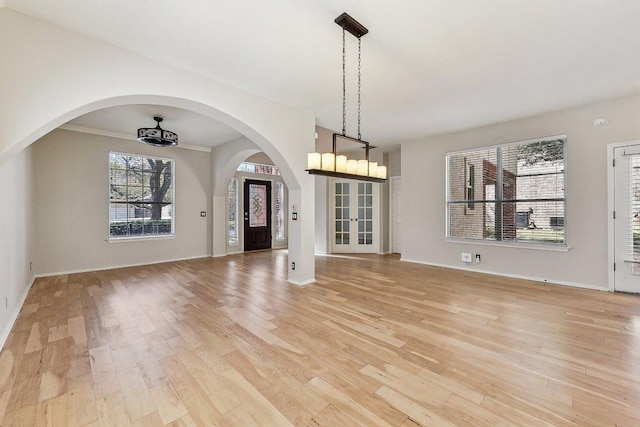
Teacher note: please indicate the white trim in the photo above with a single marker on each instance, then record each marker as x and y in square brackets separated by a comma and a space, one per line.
[236, 252]
[146, 238]
[543, 246]
[220, 255]
[513, 276]
[242, 177]
[16, 312]
[100, 132]
[519, 245]
[611, 206]
[306, 282]
[393, 183]
[89, 270]
[507, 144]
[632, 152]
[173, 198]
[354, 247]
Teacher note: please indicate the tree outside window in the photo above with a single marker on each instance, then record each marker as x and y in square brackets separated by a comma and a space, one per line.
[140, 196]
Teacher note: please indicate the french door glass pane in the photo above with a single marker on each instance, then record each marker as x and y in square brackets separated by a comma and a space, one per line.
[365, 213]
[342, 213]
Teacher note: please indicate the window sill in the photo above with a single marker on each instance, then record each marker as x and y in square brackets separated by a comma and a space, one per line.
[522, 245]
[140, 239]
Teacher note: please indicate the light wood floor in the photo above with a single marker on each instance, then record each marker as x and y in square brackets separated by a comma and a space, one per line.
[375, 342]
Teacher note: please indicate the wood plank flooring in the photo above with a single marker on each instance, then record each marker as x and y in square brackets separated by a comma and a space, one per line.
[375, 342]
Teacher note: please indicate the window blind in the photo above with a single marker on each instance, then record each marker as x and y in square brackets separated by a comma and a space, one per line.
[512, 192]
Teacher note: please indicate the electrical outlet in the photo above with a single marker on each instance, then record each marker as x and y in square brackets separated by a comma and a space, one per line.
[293, 265]
[477, 258]
[30, 265]
[466, 257]
[203, 213]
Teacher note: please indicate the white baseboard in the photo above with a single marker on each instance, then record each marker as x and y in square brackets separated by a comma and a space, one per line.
[306, 282]
[513, 276]
[89, 270]
[16, 313]
[229, 253]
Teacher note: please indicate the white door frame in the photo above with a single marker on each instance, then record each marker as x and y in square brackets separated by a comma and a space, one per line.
[393, 182]
[611, 207]
[376, 247]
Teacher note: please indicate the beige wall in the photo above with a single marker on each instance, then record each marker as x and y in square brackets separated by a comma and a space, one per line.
[394, 167]
[16, 236]
[586, 262]
[260, 158]
[71, 219]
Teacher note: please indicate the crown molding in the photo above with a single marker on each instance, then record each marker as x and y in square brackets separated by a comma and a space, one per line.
[100, 132]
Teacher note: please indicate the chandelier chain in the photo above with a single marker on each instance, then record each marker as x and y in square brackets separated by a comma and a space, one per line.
[359, 103]
[344, 84]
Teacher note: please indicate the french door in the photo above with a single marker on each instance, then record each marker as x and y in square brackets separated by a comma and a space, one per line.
[355, 217]
[627, 219]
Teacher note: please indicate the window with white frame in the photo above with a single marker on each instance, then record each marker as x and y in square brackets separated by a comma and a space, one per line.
[258, 168]
[508, 193]
[141, 196]
[232, 212]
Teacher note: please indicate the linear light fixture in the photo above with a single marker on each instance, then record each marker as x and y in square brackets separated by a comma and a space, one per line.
[331, 164]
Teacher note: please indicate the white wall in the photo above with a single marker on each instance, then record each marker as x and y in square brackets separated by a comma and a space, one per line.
[586, 262]
[16, 236]
[71, 212]
[50, 75]
[322, 211]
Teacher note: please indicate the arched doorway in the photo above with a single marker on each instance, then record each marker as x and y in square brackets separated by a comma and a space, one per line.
[88, 74]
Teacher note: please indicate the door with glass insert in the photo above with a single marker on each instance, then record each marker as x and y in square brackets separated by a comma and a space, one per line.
[354, 217]
[626, 273]
[257, 215]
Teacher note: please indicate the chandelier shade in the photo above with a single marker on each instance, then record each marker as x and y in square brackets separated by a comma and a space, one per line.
[157, 136]
[339, 166]
[328, 164]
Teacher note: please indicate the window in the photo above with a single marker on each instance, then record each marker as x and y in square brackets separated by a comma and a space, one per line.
[280, 211]
[258, 168]
[140, 196]
[509, 193]
[232, 212]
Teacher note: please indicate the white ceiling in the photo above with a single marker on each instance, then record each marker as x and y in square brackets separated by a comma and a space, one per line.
[429, 66]
[192, 128]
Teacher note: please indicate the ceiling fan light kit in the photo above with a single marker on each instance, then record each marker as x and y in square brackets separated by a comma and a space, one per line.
[157, 136]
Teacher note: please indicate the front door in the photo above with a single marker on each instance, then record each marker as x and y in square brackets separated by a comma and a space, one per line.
[355, 217]
[627, 219]
[257, 215]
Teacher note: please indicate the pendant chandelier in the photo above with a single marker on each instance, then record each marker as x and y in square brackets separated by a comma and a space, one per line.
[157, 136]
[330, 164]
